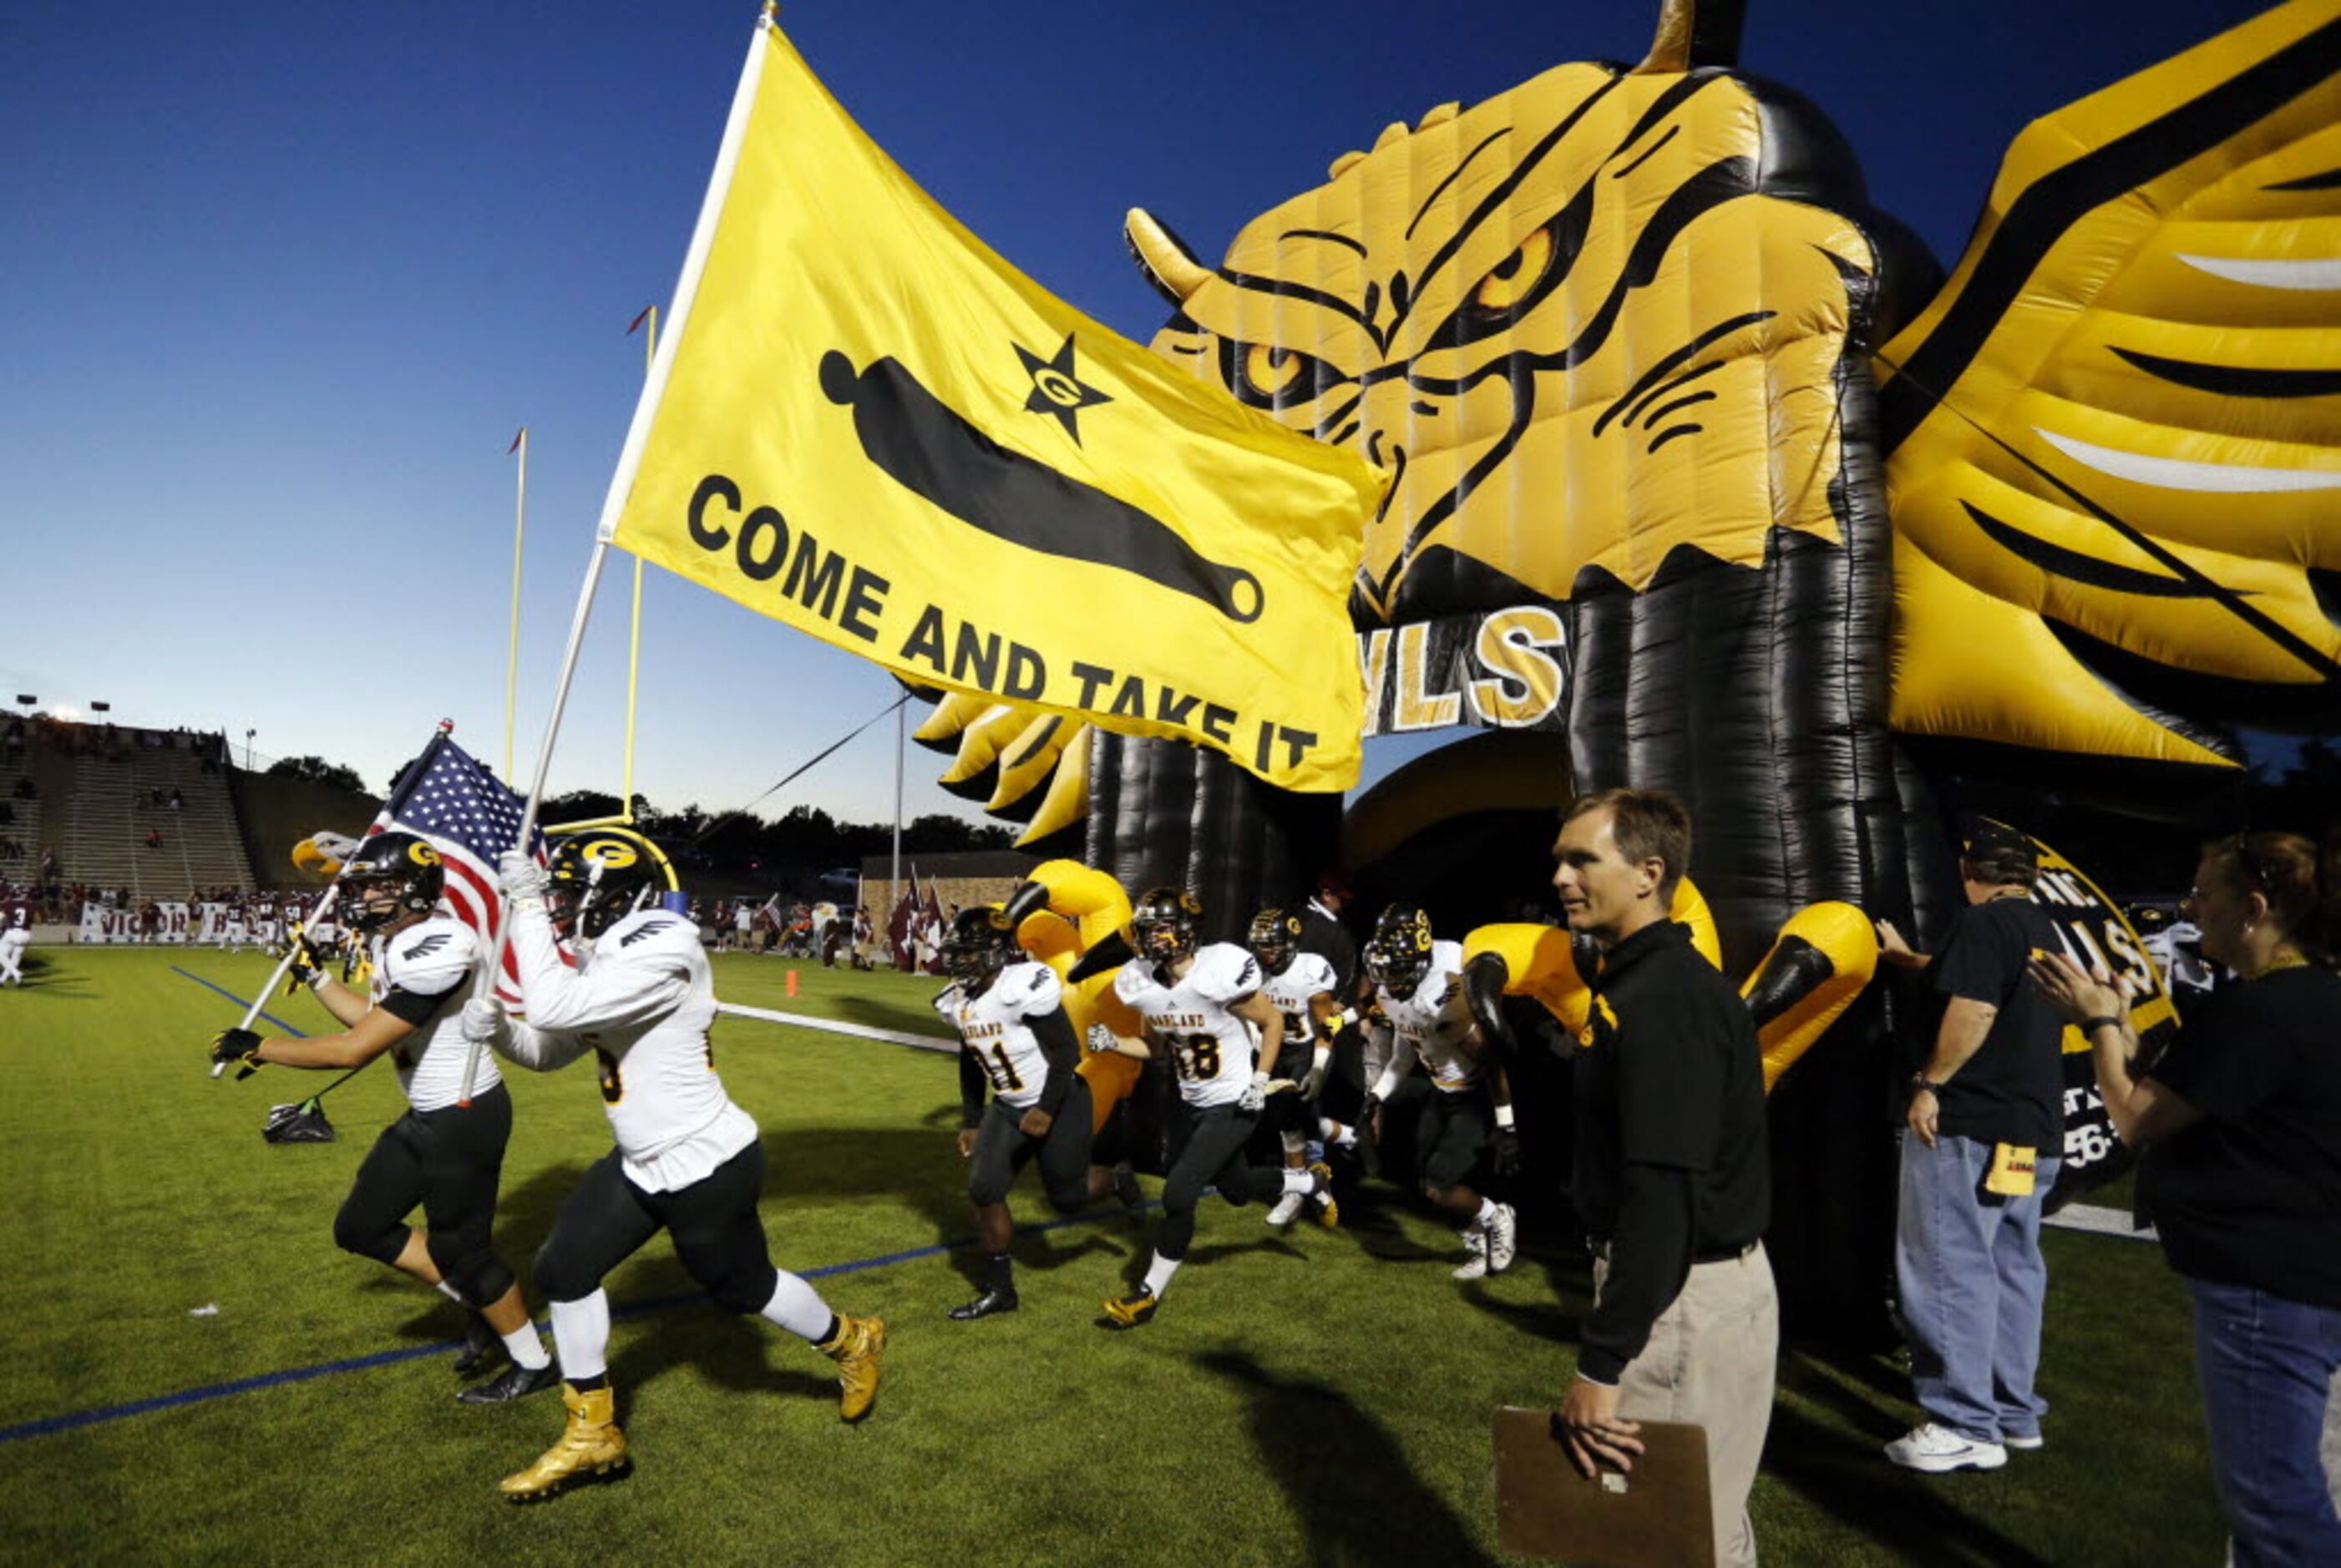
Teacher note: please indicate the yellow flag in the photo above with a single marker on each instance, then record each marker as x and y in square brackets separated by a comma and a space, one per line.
[865, 424]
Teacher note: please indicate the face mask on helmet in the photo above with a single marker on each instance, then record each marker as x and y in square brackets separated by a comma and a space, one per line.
[1164, 924]
[392, 875]
[1273, 937]
[1398, 956]
[978, 947]
[591, 883]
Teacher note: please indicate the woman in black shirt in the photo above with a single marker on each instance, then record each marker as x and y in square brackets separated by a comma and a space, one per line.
[2241, 1126]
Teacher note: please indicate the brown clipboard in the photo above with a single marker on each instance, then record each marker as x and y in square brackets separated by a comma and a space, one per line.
[1658, 1516]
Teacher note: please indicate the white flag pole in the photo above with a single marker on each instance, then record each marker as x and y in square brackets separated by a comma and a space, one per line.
[622, 481]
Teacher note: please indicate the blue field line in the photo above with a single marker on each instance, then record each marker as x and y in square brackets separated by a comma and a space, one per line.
[48, 1425]
[239, 1001]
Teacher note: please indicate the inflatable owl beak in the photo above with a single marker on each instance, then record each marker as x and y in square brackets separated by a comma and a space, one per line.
[1163, 257]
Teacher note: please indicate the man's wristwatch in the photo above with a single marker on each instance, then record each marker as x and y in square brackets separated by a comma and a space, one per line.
[1921, 1081]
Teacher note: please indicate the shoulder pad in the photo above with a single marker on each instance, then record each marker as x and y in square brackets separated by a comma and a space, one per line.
[1313, 972]
[433, 957]
[1030, 988]
[647, 931]
[1224, 972]
[1131, 982]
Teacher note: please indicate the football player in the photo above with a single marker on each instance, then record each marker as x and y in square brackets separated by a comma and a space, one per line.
[13, 940]
[1419, 990]
[443, 1154]
[1301, 986]
[688, 1161]
[1200, 1005]
[1016, 1041]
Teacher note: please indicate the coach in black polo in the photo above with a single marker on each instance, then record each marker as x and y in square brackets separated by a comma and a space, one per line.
[1672, 1178]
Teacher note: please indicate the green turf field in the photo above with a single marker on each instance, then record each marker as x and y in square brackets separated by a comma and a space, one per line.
[1309, 1398]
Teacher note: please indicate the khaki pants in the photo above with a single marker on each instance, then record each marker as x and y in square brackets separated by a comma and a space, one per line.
[1711, 1360]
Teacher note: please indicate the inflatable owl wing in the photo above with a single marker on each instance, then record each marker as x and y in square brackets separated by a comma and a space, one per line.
[2114, 437]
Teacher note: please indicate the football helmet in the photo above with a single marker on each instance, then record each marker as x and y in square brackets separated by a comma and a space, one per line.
[1164, 924]
[978, 945]
[389, 876]
[1398, 955]
[594, 880]
[1273, 938]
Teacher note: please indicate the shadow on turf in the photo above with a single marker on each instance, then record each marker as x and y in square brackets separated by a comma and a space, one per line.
[734, 1352]
[1347, 1478]
[873, 1013]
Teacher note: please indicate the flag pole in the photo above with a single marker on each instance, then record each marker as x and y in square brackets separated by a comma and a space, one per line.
[487, 985]
[634, 642]
[901, 723]
[511, 662]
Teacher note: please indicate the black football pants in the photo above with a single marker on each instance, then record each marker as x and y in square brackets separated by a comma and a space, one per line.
[449, 1161]
[718, 1235]
[1002, 1151]
[1210, 1151]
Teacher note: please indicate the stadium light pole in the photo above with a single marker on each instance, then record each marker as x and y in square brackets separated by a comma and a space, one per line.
[247, 749]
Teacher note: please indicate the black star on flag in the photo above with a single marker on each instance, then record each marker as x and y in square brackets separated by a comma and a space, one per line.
[1056, 390]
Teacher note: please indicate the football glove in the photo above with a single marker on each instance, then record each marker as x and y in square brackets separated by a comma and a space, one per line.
[307, 968]
[1506, 1155]
[1255, 1094]
[1100, 1039]
[522, 876]
[481, 1021]
[234, 1046]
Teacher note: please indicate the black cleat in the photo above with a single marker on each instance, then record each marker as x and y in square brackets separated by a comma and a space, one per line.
[984, 1305]
[517, 1382]
[482, 1346]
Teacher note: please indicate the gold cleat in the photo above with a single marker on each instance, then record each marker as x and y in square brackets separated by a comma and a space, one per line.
[1130, 1311]
[860, 1342]
[592, 1444]
[1327, 1212]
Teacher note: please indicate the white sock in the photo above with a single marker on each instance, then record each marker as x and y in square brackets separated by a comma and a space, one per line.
[450, 1291]
[1298, 1180]
[581, 1333]
[798, 1307]
[1158, 1273]
[1295, 1144]
[1489, 1208]
[527, 1350]
[1334, 1133]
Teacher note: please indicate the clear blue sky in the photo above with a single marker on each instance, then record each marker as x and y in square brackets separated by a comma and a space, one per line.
[283, 279]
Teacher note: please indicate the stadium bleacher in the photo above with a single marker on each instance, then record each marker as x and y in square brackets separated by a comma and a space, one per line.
[102, 790]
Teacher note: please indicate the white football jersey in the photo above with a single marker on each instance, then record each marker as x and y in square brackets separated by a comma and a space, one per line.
[1307, 975]
[997, 1032]
[1432, 1022]
[642, 999]
[432, 959]
[1211, 1046]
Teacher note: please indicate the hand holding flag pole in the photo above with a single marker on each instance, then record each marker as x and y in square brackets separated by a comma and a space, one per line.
[260, 1000]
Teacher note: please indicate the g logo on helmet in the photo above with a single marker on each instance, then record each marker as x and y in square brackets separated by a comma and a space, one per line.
[609, 853]
[421, 854]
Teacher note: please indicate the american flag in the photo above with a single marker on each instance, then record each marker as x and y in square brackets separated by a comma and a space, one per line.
[450, 799]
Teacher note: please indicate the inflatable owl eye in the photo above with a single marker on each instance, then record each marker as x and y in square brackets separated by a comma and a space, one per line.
[1518, 283]
[1270, 375]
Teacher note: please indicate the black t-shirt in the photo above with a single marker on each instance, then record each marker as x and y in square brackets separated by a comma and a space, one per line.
[1322, 933]
[1672, 1076]
[2251, 1194]
[2012, 1089]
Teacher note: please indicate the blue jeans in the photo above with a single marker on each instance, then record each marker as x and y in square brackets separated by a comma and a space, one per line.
[1972, 1283]
[2267, 1367]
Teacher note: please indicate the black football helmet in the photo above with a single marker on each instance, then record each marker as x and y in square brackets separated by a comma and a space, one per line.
[978, 945]
[594, 880]
[389, 876]
[1398, 955]
[1273, 938]
[1163, 922]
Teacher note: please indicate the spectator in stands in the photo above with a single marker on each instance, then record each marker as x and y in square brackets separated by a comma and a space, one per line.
[176, 802]
[153, 837]
[7, 815]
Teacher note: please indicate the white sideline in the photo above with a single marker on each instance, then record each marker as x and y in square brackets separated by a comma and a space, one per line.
[801, 1021]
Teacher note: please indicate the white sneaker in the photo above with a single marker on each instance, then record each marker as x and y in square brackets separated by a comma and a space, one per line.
[1503, 1238]
[1475, 1265]
[1287, 1209]
[1936, 1449]
[2024, 1444]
